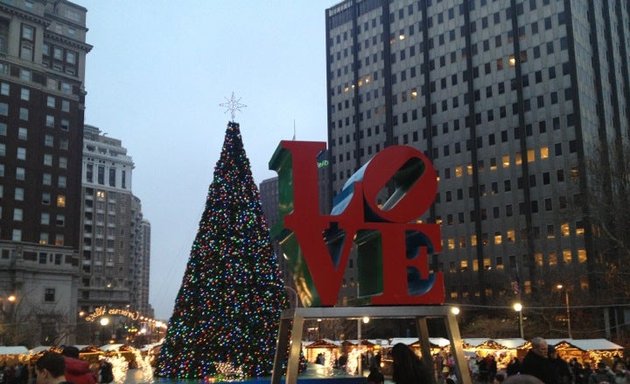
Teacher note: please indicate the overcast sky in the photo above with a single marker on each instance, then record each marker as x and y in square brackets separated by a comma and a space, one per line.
[155, 78]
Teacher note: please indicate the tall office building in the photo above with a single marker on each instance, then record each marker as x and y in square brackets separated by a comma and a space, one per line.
[512, 101]
[42, 69]
[115, 251]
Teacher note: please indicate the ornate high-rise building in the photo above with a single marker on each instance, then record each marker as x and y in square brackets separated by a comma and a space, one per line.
[115, 251]
[42, 69]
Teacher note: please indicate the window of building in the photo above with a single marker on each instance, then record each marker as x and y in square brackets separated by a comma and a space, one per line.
[59, 240]
[112, 175]
[581, 255]
[45, 218]
[567, 257]
[21, 153]
[16, 235]
[101, 174]
[60, 220]
[48, 140]
[61, 181]
[25, 94]
[50, 121]
[22, 133]
[43, 238]
[18, 214]
[4, 111]
[24, 114]
[63, 162]
[46, 198]
[544, 152]
[49, 295]
[48, 159]
[20, 173]
[25, 74]
[61, 201]
[19, 194]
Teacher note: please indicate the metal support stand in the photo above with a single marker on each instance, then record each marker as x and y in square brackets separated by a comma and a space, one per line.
[297, 316]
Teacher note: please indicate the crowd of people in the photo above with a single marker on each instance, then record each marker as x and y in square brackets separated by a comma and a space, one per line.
[541, 365]
[75, 370]
[543, 362]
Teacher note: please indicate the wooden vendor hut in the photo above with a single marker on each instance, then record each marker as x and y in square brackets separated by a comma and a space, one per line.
[589, 351]
[327, 347]
[11, 355]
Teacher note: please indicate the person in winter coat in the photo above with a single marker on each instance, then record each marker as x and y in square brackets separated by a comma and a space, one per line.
[50, 369]
[77, 371]
[602, 375]
[407, 367]
[536, 362]
[561, 369]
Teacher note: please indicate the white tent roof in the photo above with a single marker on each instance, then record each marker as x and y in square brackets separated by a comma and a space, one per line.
[594, 344]
[15, 350]
[438, 341]
[381, 342]
[475, 341]
[38, 349]
[511, 343]
[149, 347]
[82, 347]
[557, 341]
[111, 347]
[404, 340]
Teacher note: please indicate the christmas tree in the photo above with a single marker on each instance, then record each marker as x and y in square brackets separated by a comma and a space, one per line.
[226, 315]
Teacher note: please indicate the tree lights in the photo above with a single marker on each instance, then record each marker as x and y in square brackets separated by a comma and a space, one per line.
[228, 307]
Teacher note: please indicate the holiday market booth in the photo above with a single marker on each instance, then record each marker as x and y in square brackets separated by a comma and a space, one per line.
[330, 349]
[12, 355]
[588, 351]
[436, 345]
[370, 347]
[89, 353]
[503, 350]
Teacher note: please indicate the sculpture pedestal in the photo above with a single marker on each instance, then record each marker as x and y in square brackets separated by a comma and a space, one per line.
[294, 319]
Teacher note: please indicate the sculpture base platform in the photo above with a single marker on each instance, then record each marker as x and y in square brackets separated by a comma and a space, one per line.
[292, 321]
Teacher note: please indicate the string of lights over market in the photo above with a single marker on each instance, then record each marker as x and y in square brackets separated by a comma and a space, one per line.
[101, 312]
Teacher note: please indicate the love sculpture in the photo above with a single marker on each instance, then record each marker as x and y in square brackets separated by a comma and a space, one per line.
[393, 248]
[392, 245]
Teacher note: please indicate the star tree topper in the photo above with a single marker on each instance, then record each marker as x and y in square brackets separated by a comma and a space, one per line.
[233, 105]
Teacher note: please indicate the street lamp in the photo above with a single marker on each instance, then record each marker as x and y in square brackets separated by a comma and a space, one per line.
[8, 315]
[568, 307]
[104, 321]
[455, 310]
[365, 320]
[518, 307]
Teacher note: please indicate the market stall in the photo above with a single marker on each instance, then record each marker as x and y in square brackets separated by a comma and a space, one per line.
[11, 355]
[588, 351]
[328, 348]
